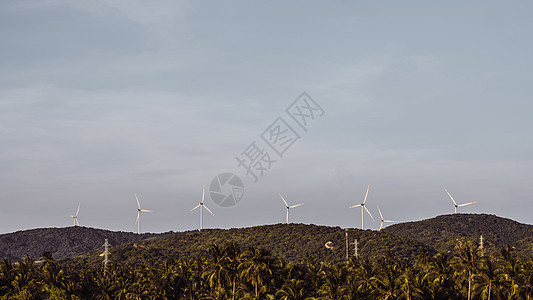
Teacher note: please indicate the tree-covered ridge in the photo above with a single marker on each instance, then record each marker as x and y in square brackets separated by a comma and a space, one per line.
[292, 242]
[233, 272]
[61, 242]
[442, 232]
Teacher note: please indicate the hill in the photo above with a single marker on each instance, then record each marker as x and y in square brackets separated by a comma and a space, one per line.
[292, 242]
[442, 232]
[61, 242]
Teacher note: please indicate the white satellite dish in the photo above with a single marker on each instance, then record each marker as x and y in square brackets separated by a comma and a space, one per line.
[329, 245]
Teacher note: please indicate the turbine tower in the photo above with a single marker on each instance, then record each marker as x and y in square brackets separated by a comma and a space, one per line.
[75, 217]
[288, 207]
[455, 203]
[363, 208]
[139, 210]
[382, 220]
[201, 206]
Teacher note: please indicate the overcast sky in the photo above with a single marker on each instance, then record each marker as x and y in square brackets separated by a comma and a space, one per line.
[103, 99]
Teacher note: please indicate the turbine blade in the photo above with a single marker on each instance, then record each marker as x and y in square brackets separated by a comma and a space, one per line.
[450, 196]
[296, 205]
[366, 195]
[369, 213]
[284, 200]
[380, 213]
[138, 203]
[146, 210]
[196, 207]
[203, 193]
[390, 221]
[138, 216]
[355, 205]
[467, 203]
[78, 209]
[209, 210]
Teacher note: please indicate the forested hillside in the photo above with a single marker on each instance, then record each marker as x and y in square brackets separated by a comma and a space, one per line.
[61, 242]
[442, 232]
[292, 242]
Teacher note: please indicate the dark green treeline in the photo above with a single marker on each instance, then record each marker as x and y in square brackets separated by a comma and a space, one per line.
[230, 272]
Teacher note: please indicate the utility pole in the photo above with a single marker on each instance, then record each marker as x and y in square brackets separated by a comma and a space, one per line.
[106, 253]
[346, 243]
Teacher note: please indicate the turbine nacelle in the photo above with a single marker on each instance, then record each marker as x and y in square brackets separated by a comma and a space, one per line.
[75, 217]
[383, 220]
[455, 205]
[139, 210]
[202, 206]
[288, 208]
[363, 208]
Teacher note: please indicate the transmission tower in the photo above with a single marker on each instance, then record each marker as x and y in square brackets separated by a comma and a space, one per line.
[481, 244]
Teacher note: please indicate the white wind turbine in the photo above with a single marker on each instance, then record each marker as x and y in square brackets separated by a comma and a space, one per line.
[75, 217]
[289, 207]
[382, 220]
[363, 208]
[201, 206]
[139, 210]
[455, 203]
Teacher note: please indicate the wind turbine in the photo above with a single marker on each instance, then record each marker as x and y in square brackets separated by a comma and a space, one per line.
[75, 217]
[201, 206]
[139, 210]
[289, 207]
[363, 208]
[455, 203]
[382, 220]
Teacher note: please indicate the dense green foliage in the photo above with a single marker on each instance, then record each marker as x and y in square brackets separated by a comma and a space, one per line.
[61, 242]
[232, 272]
[292, 242]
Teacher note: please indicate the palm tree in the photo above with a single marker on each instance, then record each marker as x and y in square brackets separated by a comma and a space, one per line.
[256, 267]
[441, 277]
[526, 278]
[25, 280]
[333, 278]
[510, 270]
[6, 276]
[364, 277]
[408, 282]
[221, 269]
[311, 273]
[386, 281]
[467, 260]
[293, 289]
[487, 276]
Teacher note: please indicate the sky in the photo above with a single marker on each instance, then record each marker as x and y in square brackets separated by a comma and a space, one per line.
[100, 100]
